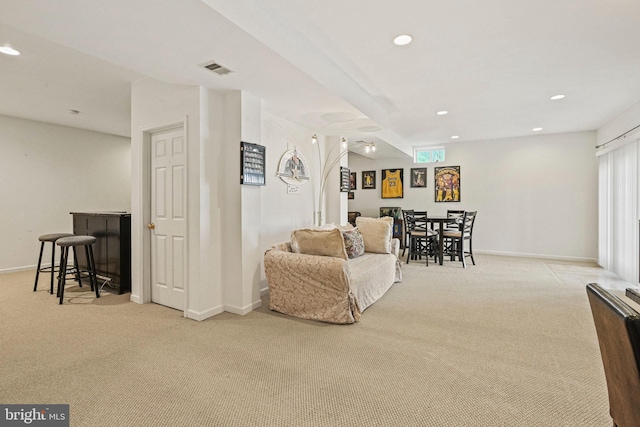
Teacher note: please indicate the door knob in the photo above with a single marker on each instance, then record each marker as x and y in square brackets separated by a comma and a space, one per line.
[151, 226]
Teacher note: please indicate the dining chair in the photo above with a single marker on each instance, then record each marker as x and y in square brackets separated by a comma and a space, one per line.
[456, 238]
[618, 330]
[422, 241]
[456, 216]
[406, 224]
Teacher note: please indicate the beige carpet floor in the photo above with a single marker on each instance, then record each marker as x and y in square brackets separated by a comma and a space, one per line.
[504, 343]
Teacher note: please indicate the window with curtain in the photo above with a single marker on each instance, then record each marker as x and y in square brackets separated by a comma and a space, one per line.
[618, 211]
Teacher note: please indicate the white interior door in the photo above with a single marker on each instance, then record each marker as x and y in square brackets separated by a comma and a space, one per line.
[168, 225]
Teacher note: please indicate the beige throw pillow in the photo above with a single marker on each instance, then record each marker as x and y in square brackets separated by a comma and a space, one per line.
[377, 233]
[320, 242]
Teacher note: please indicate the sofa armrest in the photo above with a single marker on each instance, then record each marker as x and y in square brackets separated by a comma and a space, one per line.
[395, 247]
[291, 269]
[310, 286]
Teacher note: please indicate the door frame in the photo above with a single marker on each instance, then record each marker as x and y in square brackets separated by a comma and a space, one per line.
[146, 133]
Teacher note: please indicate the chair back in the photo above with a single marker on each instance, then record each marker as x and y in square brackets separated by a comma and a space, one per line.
[407, 216]
[618, 329]
[466, 226]
[419, 220]
[455, 213]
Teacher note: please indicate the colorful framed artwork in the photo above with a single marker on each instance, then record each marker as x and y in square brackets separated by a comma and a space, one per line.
[393, 212]
[392, 180]
[447, 183]
[368, 180]
[353, 182]
[419, 177]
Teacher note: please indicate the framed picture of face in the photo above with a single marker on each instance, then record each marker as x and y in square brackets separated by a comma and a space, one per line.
[392, 183]
[353, 181]
[419, 177]
[350, 195]
[447, 184]
[368, 180]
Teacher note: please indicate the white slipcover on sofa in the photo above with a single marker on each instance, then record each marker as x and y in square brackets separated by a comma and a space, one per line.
[332, 288]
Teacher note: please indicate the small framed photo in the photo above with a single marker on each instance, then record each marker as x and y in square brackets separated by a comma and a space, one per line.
[353, 181]
[369, 180]
[419, 177]
[350, 195]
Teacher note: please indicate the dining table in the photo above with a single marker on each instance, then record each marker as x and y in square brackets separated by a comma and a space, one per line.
[441, 221]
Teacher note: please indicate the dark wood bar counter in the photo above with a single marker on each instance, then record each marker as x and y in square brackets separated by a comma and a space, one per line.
[112, 250]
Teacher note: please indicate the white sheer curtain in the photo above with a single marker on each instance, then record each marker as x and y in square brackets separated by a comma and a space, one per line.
[618, 211]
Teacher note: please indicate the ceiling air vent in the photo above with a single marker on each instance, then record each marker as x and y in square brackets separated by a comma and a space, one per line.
[218, 69]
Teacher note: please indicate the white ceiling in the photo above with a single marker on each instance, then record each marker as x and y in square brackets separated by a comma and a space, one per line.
[331, 66]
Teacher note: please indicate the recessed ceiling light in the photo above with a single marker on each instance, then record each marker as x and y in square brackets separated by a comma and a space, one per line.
[554, 97]
[442, 113]
[536, 129]
[9, 51]
[403, 39]
[455, 137]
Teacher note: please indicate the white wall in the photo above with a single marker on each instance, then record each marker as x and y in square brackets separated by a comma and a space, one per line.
[230, 225]
[281, 212]
[47, 171]
[535, 196]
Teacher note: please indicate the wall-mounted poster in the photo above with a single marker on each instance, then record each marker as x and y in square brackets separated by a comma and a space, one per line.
[293, 168]
[419, 177]
[345, 179]
[392, 183]
[350, 195]
[368, 180]
[394, 212]
[447, 183]
[353, 183]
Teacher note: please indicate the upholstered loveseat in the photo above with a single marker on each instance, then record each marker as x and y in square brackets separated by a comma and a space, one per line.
[313, 276]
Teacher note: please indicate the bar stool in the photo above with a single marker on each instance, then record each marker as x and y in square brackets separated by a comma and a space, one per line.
[44, 239]
[73, 241]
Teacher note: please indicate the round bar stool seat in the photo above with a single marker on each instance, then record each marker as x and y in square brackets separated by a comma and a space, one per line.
[53, 237]
[72, 241]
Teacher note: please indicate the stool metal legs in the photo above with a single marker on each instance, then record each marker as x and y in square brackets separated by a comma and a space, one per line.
[52, 268]
[91, 266]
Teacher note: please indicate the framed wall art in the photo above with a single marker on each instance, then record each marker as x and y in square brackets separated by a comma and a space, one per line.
[252, 164]
[392, 180]
[447, 183]
[393, 212]
[345, 179]
[350, 195]
[419, 177]
[353, 182]
[368, 180]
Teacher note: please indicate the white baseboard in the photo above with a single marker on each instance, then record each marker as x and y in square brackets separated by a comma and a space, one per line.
[202, 315]
[24, 268]
[243, 310]
[540, 256]
[136, 298]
